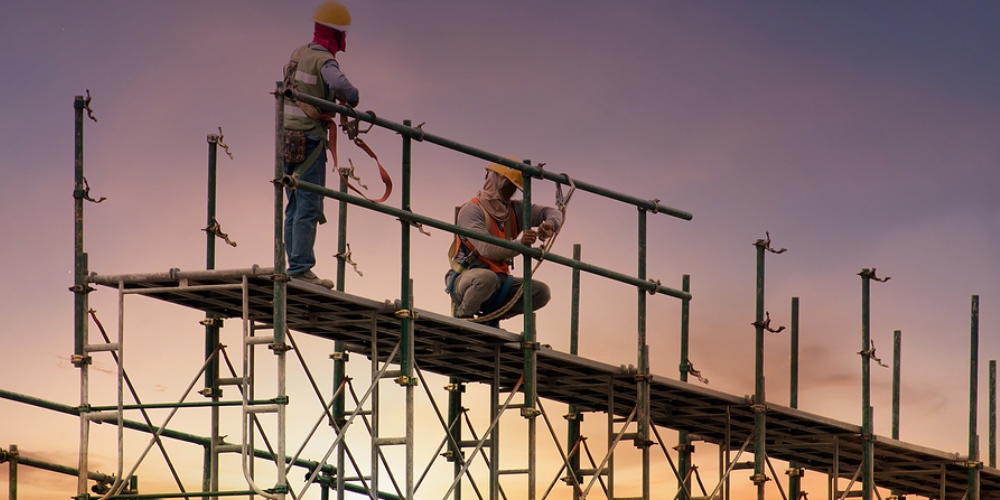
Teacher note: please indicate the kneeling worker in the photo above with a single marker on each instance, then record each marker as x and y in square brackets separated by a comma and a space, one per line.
[480, 281]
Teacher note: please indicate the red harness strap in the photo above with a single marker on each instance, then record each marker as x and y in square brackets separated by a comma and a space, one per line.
[386, 180]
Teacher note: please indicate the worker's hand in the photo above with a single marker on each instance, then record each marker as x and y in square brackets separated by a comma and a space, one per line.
[546, 230]
[529, 237]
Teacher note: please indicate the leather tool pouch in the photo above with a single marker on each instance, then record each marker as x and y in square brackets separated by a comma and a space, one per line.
[295, 146]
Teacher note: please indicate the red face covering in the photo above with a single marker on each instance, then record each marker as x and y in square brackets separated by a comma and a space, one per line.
[333, 40]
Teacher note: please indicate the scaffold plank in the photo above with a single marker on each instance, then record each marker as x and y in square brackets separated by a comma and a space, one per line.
[469, 352]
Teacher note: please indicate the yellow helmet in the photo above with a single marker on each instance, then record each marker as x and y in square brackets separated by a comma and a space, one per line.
[513, 175]
[333, 15]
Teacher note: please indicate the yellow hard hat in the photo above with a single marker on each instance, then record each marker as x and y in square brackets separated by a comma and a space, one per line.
[333, 15]
[513, 175]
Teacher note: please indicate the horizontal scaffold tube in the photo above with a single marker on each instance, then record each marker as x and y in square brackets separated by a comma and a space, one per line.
[62, 469]
[532, 170]
[139, 426]
[534, 253]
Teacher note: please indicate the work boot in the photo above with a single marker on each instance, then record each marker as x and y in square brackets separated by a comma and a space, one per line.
[310, 277]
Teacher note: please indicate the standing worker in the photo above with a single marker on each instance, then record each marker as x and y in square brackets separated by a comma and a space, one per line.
[480, 281]
[312, 70]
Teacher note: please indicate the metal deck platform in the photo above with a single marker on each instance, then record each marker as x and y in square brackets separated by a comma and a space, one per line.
[469, 351]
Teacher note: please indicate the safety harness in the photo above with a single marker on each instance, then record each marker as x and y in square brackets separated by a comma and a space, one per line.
[494, 308]
[463, 255]
[350, 128]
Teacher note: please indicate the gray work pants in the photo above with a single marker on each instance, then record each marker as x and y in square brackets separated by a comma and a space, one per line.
[476, 286]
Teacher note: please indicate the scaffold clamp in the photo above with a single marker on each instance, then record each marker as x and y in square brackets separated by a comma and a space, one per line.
[796, 472]
[81, 289]
[870, 273]
[279, 347]
[79, 360]
[766, 244]
[759, 479]
[216, 322]
[406, 381]
[210, 392]
[532, 346]
[759, 408]
[766, 324]
[407, 314]
[530, 412]
[458, 387]
[340, 356]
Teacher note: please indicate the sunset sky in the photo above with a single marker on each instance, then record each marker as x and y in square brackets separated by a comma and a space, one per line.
[858, 134]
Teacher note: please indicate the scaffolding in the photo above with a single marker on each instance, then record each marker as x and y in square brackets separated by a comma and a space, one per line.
[368, 447]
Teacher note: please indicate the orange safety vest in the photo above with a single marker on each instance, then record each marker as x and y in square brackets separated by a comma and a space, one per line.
[463, 253]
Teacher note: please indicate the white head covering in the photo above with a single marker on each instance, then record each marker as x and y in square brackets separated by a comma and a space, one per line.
[490, 199]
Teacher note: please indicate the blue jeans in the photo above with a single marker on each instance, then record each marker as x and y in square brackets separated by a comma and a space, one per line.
[303, 212]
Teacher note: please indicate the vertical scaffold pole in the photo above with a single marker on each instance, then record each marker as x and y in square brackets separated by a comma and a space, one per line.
[897, 348]
[759, 478]
[339, 347]
[897, 362]
[455, 390]
[530, 345]
[80, 358]
[211, 479]
[406, 323]
[974, 466]
[12, 457]
[642, 439]
[993, 414]
[867, 451]
[574, 415]
[794, 472]
[280, 285]
[683, 448]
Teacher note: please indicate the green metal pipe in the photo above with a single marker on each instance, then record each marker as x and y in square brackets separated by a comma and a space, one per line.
[760, 452]
[248, 493]
[867, 452]
[455, 389]
[530, 348]
[210, 480]
[279, 208]
[683, 447]
[529, 329]
[406, 323]
[202, 404]
[574, 415]
[794, 481]
[406, 335]
[203, 494]
[16, 459]
[973, 491]
[13, 458]
[642, 352]
[419, 134]
[80, 258]
[993, 413]
[648, 286]
[793, 390]
[339, 346]
[897, 350]
[139, 426]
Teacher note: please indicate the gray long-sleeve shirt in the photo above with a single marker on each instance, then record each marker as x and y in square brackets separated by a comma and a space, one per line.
[335, 79]
[471, 216]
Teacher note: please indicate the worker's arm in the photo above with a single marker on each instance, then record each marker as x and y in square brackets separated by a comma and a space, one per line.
[548, 220]
[338, 83]
[470, 216]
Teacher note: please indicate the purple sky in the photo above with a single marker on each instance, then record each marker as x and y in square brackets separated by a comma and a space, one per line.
[860, 134]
